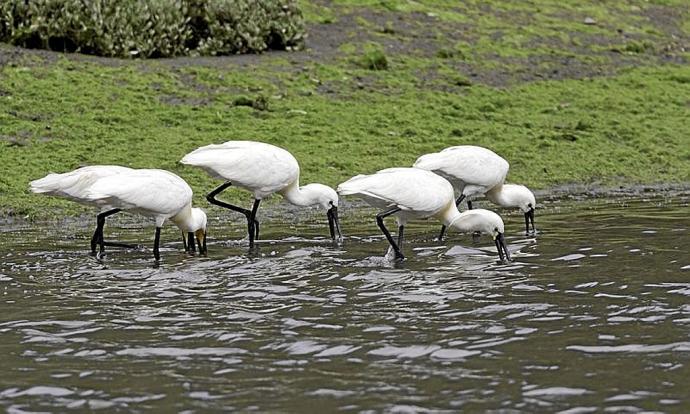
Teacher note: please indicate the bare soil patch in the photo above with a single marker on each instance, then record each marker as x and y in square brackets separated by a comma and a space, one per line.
[420, 35]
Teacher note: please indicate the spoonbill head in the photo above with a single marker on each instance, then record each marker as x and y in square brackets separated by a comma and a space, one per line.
[410, 193]
[262, 169]
[195, 227]
[515, 195]
[484, 221]
[324, 197]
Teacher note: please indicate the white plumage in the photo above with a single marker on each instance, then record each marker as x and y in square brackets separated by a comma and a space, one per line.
[262, 169]
[154, 193]
[415, 193]
[398, 187]
[474, 171]
[73, 185]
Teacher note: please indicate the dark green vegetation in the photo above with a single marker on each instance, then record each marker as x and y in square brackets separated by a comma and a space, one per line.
[597, 93]
[152, 28]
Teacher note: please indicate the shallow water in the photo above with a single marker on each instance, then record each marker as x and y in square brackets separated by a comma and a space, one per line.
[593, 315]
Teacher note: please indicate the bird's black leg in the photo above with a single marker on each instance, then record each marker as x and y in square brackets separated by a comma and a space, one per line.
[211, 197]
[379, 220]
[97, 237]
[401, 231]
[469, 204]
[443, 232]
[251, 222]
[97, 233]
[443, 227]
[202, 247]
[156, 244]
[117, 244]
[190, 242]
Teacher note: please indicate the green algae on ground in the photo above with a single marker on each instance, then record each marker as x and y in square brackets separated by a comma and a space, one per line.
[341, 118]
[62, 115]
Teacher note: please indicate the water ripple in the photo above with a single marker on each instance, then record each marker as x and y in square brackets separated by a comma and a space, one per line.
[300, 324]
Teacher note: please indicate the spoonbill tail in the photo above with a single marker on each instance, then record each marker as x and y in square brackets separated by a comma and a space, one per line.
[263, 169]
[415, 193]
[475, 171]
[154, 193]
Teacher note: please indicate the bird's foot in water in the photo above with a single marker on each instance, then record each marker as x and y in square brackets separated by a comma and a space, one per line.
[116, 244]
[393, 256]
[476, 236]
[101, 254]
[123, 245]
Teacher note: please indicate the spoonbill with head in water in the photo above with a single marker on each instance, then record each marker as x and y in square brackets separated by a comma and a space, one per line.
[415, 193]
[154, 193]
[475, 171]
[263, 169]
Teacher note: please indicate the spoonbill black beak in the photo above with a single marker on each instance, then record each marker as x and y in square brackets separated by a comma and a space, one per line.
[200, 241]
[529, 217]
[501, 247]
[334, 224]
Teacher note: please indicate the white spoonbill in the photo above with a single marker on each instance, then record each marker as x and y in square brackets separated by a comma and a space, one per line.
[415, 193]
[475, 171]
[263, 169]
[158, 194]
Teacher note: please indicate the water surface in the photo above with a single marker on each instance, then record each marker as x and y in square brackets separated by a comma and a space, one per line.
[593, 315]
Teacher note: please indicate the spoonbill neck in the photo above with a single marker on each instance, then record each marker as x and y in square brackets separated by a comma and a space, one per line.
[512, 195]
[183, 219]
[299, 196]
[448, 214]
[498, 195]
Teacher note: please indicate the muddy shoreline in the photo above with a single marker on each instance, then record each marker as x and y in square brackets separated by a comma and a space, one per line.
[278, 210]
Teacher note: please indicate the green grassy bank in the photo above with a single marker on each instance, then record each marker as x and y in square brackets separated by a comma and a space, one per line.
[340, 118]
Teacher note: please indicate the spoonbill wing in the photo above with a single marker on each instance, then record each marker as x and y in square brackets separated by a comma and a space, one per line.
[74, 184]
[153, 191]
[408, 188]
[259, 167]
[470, 164]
